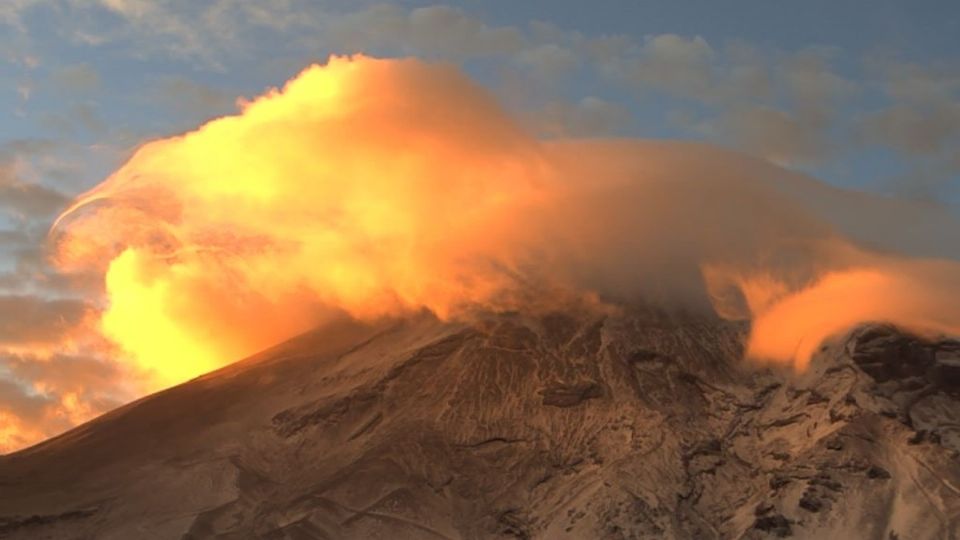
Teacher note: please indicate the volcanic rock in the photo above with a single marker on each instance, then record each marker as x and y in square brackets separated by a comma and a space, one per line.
[566, 425]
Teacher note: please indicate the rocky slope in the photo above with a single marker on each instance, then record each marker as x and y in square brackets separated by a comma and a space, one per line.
[567, 425]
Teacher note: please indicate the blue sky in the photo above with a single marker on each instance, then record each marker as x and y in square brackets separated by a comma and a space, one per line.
[861, 94]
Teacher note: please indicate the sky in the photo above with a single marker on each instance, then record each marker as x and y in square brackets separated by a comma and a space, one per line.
[862, 95]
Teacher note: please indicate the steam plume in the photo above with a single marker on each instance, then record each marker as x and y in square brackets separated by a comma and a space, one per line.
[375, 187]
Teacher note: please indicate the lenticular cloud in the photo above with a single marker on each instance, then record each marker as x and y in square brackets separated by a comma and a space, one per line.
[376, 187]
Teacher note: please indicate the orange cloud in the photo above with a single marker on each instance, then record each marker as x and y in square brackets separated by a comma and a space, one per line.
[376, 187]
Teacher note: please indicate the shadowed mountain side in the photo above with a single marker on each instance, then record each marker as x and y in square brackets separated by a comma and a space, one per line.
[567, 425]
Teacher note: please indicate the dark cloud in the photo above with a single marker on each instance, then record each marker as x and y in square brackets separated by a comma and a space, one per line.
[928, 129]
[76, 118]
[41, 397]
[920, 124]
[27, 207]
[27, 148]
[93, 379]
[27, 319]
[16, 400]
[30, 201]
[13, 238]
[431, 31]
[923, 114]
[780, 106]
[780, 135]
[194, 100]
[21, 199]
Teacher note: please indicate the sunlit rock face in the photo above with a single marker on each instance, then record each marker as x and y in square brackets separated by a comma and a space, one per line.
[561, 425]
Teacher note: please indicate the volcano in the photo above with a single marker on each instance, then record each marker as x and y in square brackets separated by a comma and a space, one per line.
[572, 424]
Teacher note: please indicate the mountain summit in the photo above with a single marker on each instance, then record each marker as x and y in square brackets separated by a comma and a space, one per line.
[560, 425]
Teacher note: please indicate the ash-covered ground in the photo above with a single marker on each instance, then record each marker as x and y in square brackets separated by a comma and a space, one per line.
[565, 425]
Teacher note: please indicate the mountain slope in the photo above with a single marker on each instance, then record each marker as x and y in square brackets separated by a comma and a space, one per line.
[567, 425]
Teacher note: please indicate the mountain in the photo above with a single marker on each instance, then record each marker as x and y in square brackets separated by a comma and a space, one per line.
[637, 424]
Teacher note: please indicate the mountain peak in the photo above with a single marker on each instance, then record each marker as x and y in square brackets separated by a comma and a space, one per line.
[570, 424]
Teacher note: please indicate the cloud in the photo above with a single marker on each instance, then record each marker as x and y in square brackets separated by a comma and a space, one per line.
[27, 207]
[42, 397]
[389, 186]
[28, 200]
[432, 32]
[928, 129]
[549, 61]
[920, 123]
[918, 83]
[25, 200]
[17, 401]
[810, 81]
[923, 117]
[588, 117]
[683, 66]
[13, 237]
[78, 117]
[175, 28]
[11, 12]
[792, 107]
[669, 63]
[26, 320]
[781, 136]
[21, 416]
[42, 390]
[210, 33]
[192, 99]
[91, 378]
[781, 106]
[13, 148]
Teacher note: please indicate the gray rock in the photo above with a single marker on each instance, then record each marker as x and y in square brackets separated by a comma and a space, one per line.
[567, 425]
